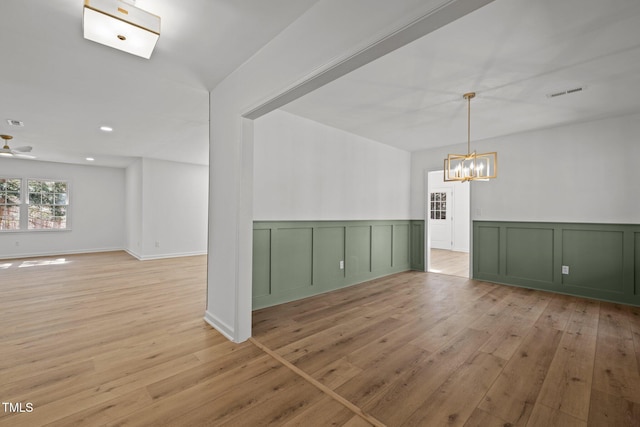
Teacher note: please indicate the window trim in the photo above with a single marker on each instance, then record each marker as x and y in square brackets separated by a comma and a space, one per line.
[24, 206]
[19, 204]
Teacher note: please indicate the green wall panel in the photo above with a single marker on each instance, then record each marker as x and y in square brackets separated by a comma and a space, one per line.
[293, 250]
[603, 259]
[329, 250]
[358, 248]
[297, 259]
[594, 259]
[401, 246]
[488, 251]
[261, 263]
[417, 245]
[381, 247]
[528, 254]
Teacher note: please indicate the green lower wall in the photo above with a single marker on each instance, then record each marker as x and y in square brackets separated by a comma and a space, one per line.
[603, 259]
[297, 259]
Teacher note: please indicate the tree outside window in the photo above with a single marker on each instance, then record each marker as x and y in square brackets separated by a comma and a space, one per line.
[48, 202]
[10, 203]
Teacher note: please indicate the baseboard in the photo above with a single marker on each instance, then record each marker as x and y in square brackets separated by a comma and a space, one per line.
[466, 251]
[133, 254]
[163, 256]
[97, 250]
[60, 253]
[219, 325]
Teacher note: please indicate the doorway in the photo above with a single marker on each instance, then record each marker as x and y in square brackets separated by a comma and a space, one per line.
[448, 219]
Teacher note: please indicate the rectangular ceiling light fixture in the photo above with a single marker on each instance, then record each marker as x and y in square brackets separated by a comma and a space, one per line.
[122, 26]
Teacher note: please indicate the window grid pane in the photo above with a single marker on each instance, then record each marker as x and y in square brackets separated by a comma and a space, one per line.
[10, 203]
[438, 205]
[9, 217]
[47, 205]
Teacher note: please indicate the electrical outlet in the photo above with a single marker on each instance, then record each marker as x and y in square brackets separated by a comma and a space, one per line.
[157, 244]
[341, 265]
[565, 269]
[17, 243]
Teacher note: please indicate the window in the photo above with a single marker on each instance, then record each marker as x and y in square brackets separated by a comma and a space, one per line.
[33, 204]
[48, 202]
[10, 203]
[438, 205]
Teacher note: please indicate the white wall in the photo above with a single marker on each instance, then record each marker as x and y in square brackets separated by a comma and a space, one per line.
[167, 209]
[134, 208]
[96, 213]
[584, 172]
[114, 209]
[304, 170]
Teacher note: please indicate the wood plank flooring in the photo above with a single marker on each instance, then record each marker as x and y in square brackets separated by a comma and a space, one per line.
[106, 340]
[452, 263]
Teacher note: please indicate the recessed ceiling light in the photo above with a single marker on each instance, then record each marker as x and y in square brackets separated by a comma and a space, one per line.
[90, 159]
[106, 128]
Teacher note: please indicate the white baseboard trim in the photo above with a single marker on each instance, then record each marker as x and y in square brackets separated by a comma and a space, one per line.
[59, 253]
[162, 256]
[219, 325]
[133, 254]
[460, 249]
[97, 250]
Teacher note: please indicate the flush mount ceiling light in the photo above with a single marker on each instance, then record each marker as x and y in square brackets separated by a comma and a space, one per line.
[121, 25]
[106, 128]
[470, 166]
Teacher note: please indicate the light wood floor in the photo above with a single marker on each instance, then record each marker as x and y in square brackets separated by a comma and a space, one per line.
[452, 263]
[104, 339]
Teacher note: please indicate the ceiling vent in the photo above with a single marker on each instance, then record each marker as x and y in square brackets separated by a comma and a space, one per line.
[566, 92]
[15, 122]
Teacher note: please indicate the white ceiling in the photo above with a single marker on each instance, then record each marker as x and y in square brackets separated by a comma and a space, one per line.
[511, 52]
[64, 87]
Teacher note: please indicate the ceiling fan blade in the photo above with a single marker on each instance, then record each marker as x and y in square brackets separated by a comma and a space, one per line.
[25, 149]
[23, 156]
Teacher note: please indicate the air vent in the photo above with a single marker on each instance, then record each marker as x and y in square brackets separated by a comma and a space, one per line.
[15, 122]
[566, 92]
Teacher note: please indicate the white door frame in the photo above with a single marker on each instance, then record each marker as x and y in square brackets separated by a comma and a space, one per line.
[427, 231]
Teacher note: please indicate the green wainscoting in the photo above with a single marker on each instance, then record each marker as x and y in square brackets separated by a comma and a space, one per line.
[603, 259]
[297, 259]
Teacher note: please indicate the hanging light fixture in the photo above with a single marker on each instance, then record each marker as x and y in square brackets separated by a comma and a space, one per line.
[6, 151]
[470, 166]
[121, 25]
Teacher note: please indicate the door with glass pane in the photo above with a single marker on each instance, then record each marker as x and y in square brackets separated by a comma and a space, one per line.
[440, 221]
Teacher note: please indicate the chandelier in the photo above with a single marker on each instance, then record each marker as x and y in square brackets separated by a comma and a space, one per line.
[470, 166]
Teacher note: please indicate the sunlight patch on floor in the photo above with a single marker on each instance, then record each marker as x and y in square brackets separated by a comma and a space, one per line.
[38, 263]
